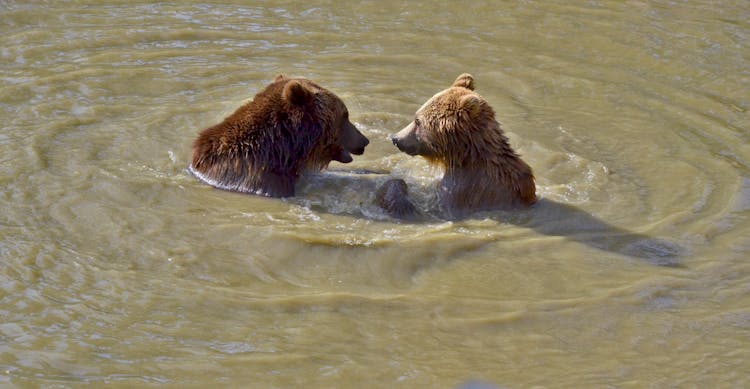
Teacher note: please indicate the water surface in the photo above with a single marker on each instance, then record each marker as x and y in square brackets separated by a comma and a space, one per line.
[119, 267]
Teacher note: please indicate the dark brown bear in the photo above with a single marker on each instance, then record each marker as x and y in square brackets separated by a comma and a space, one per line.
[291, 126]
[456, 130]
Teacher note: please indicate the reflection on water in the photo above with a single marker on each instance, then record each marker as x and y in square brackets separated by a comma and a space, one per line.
[121, 268]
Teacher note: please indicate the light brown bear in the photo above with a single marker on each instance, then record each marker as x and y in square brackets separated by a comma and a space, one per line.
[456, 130]
[292, 126]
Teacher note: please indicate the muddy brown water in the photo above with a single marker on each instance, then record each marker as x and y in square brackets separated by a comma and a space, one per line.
[118, 267]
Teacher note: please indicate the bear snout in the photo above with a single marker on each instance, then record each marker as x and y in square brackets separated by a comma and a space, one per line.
[406, 147]
[406, 140]
[360, 149]
[400, 144]
[353, 141]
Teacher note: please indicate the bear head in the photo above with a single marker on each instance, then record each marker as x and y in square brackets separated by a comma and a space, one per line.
[321, 120]
[291, 126]
[451, 128]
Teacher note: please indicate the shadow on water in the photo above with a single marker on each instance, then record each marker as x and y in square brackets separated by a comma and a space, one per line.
[547, 217]
[552, 218]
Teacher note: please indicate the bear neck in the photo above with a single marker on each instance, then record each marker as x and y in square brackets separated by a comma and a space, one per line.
[491, 166]
[488, 153]
[490, 175]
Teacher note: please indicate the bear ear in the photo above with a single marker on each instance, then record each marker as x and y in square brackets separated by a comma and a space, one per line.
[279, 77]
[465, 81]
[296, 93]
[471, 104]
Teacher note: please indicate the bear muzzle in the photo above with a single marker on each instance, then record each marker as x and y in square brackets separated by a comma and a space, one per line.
[406, 140]
[352, 142]
[343, 156]
[359, 150]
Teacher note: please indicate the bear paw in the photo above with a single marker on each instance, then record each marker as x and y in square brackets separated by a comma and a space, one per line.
[393, 198]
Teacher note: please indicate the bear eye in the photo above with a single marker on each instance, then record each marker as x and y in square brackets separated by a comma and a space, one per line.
[417, 122]
[346, 115]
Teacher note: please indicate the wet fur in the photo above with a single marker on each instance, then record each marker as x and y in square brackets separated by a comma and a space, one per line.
[291, 126]
[393, 197]
[457, 131]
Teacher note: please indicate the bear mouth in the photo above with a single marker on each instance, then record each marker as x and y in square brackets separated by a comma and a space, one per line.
[343, 156]
[358, 151]
[407, 150]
